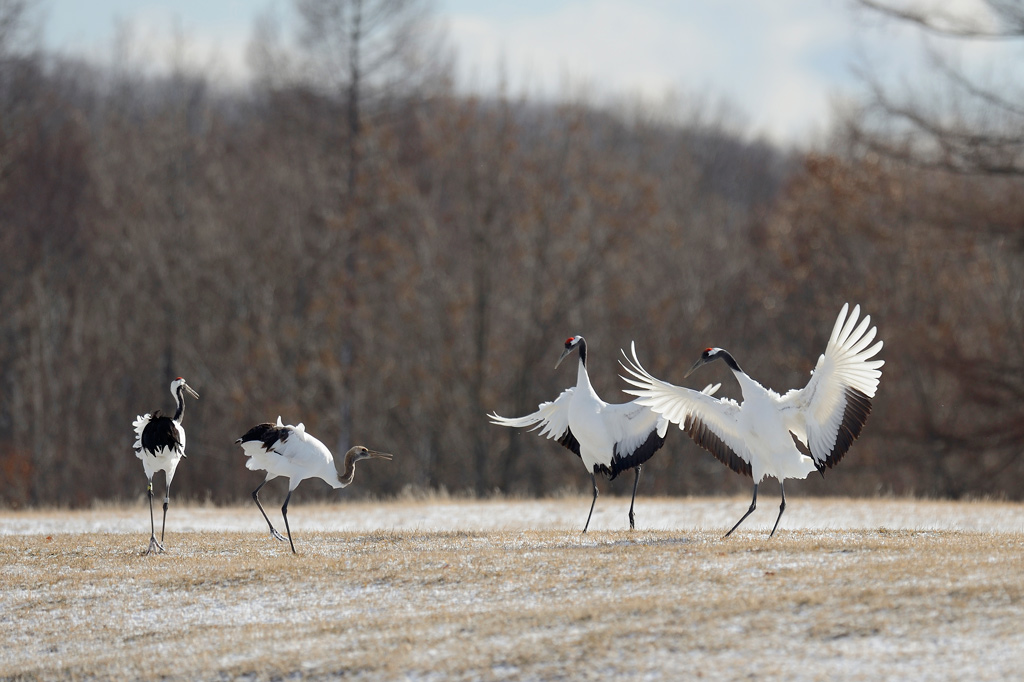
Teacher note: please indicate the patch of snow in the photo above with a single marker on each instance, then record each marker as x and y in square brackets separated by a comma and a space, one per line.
[689, 515]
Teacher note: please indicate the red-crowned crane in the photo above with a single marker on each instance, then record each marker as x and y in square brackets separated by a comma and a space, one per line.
[756, 437]
[289, 451]
[160, 444]
[608, 438]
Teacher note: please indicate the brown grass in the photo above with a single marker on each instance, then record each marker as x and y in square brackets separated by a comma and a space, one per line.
[515, 604]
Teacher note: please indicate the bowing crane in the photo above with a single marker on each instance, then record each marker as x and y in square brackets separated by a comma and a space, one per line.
[608, 438]
[757, 437]
[289, 451]
[160, 444]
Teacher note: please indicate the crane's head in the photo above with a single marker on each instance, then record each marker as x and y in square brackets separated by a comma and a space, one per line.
[346, 466]
[359, 453]
[571, 344]
[178, 384]
[710, 355]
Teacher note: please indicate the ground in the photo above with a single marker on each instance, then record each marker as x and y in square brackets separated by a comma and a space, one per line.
[467, 590]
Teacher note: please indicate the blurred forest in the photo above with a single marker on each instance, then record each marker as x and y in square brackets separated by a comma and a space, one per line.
[350, 242]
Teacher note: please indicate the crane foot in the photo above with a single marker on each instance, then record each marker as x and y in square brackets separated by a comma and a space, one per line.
[154, 544]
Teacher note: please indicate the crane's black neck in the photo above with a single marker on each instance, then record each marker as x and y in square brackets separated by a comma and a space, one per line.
[728, 359]
[180, 412]
[582, 346]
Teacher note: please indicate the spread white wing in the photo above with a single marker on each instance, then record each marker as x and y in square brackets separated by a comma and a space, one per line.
[828, 414]
[713, 423]
[551, 418]
[638, 432]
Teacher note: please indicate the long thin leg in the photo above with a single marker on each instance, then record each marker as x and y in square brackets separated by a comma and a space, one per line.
[284, 513]
[635, 481]
[256, 498]
[782, 507]
[167, 499]
[593, 482]
[153, 544]
[753, 506]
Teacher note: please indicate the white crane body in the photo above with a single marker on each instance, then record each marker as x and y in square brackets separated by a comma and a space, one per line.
[770, 447]
[164, 458]
[295, 454]
[606, 431]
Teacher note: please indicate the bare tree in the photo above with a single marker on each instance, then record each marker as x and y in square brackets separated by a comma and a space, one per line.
[959, 148]
[963, 124]
[17, 29]
[354, 47]
[357, 53]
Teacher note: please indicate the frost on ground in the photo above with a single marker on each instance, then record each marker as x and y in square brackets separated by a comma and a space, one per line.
[610, 513]
[511, 590]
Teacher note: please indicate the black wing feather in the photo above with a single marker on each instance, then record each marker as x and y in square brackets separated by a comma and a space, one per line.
[706, 438]
[160, 433]
[858, 407]
[631, 460]
[268, 434]
[569, 441]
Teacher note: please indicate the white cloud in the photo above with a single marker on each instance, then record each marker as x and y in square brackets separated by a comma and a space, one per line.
[759, 55]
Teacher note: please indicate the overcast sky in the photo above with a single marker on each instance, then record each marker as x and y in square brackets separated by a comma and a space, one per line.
[780, 63]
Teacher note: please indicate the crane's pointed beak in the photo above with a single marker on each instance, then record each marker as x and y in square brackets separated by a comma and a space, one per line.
[700, 361]
[373, 454]
[564, 355]
[190, 391]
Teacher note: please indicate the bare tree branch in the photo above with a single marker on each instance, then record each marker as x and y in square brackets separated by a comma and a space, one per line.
[950, 25]
[972, 129]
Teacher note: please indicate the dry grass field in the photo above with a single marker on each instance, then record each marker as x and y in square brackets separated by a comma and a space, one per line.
[448, 590]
